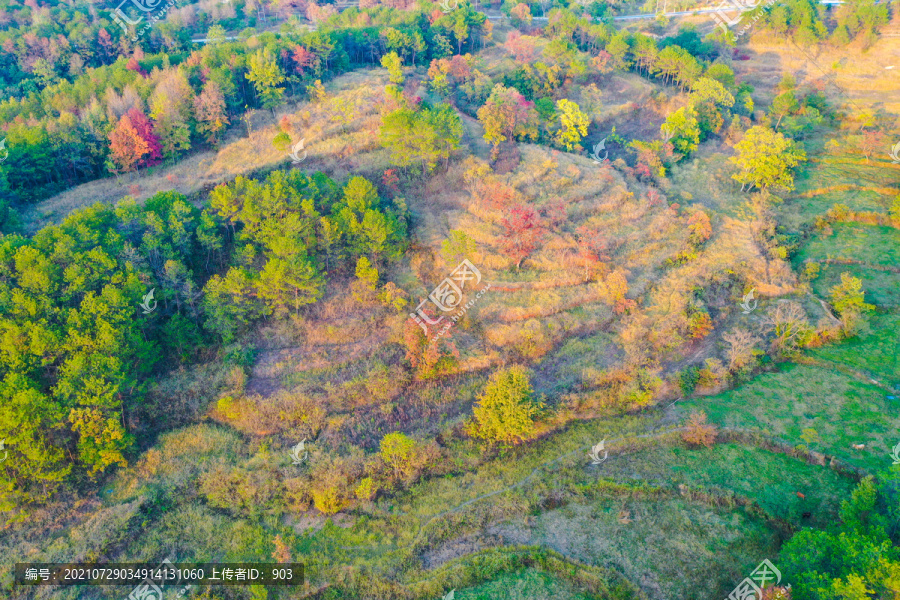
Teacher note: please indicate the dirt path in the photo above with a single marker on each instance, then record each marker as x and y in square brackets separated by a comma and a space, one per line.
[474, 137]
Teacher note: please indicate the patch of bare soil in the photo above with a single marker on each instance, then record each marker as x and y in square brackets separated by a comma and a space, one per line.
[456, 548]
[313, 520]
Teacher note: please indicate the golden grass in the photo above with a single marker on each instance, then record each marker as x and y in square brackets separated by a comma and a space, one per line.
[846, 187]
[851, 76]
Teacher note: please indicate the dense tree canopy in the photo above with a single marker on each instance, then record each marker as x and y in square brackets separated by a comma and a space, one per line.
[75, 344]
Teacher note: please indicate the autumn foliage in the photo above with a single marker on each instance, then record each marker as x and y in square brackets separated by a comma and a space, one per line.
[698, 432]
[144, 128]
[126, 145]
[523, 231]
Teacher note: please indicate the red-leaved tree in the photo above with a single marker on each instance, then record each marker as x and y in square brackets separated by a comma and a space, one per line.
[592, 246]
[144, 128]
[391, 180]
[523, 230]
[126, 146]
[303, 60]
[521, 47]
[134, 65]
[460, 67]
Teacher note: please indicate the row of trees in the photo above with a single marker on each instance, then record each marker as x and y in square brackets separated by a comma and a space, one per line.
[63, 133]
[52, 42]
[805, 22]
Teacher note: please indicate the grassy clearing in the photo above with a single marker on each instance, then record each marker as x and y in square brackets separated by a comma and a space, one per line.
[880, 286]
[770, 479]
[853, 241]
[876, 353]
[862, 244]
[523, 585]
[673, 549]
[838, 179]
[841, 409]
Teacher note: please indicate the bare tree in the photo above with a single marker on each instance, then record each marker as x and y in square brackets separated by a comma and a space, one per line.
[791, 326]
[742, 348]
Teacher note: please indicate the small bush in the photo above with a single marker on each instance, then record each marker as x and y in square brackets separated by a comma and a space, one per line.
[699, 432]
[367, 489]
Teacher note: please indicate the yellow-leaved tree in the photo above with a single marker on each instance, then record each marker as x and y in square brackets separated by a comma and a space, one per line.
[506, 411]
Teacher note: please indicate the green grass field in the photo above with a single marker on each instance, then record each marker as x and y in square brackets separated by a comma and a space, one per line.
[523, 585]
[842, 411]
[868, 247]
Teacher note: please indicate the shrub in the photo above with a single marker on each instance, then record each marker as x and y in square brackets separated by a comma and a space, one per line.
[332, 487]
[282, 551]
[282, 142]
[848, 299]
[367, 489]
[700, 228]
[700, 325]
[742, 352]
[397, 452]
[687, 380]
[840, 212]
[811, 271]
[329, 499]
[391, 295]
[296, 494]
[699, 432]
[432, 356]
[363, 288]
[240, 491]
[848, 295]
[895, 209]
[712, 373]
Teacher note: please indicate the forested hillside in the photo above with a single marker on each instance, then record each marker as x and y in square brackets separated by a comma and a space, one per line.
[522, 300]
